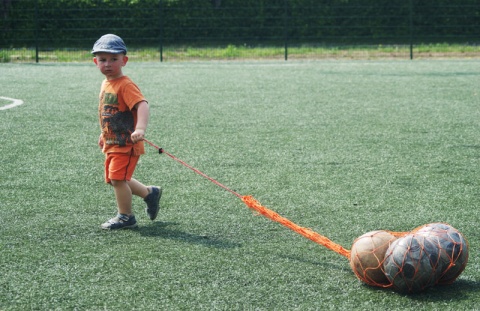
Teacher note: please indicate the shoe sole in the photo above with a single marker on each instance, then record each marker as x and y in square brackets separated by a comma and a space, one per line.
[125, 227]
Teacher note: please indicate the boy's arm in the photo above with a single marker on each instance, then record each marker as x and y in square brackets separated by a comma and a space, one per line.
[143, 113]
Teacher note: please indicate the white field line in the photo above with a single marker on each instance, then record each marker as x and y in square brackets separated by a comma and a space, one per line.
[15, 102]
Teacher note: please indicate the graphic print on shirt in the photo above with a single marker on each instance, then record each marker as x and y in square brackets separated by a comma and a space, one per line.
[116, 125]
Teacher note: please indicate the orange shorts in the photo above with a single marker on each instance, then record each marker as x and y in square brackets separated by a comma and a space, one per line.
[120, 166]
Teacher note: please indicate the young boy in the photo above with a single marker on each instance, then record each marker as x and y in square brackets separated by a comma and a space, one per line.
[123, 113]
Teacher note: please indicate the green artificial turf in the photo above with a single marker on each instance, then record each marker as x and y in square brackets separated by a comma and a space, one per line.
[341, 147]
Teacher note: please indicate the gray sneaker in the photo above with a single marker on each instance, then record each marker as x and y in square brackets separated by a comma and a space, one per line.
[120, 222]
[153, 202]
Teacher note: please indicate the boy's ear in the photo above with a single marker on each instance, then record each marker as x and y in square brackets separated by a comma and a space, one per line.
[125, 60]
[95, 60]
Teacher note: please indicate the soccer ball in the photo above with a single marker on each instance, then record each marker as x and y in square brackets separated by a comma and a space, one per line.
[453, 250]
[367, 254]
[408, 265]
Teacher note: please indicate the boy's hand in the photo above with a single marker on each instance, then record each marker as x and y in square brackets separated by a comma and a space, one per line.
[100, 141]
[138, 135]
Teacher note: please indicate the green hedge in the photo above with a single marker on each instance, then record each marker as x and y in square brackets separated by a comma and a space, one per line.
[74, 23]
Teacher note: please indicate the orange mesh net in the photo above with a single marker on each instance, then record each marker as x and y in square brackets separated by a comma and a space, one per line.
[431, 254]
[405, 261]
[309, 234]
[367, 256]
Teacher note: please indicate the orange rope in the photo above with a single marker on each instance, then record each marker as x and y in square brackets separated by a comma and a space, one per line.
[254, 204]
[398, 234]
[309, 234]
[363, 273]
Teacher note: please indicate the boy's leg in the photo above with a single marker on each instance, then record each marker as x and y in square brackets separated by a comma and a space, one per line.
[124, 191]
[123, 194]
[125, 217]
[138, 188]
[119, 168]
[151, 195]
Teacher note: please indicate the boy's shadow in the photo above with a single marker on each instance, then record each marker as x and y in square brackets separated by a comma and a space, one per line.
[164, 230]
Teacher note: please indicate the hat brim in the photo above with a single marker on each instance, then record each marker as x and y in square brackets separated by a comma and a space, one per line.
[109, 51]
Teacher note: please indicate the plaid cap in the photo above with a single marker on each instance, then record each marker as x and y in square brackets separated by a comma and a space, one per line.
[109, 44]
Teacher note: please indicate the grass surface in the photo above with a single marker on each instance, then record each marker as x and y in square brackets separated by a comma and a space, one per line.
[341, 147]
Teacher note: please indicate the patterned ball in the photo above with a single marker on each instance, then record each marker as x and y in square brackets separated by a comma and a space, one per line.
[408, 264]
[453, 250]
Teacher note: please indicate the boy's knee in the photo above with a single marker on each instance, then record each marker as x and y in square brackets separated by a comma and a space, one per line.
[116, 183]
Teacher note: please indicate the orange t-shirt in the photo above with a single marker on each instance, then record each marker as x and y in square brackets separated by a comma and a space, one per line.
[118, 117]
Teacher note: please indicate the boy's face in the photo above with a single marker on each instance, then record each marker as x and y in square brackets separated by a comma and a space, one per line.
[110, 64]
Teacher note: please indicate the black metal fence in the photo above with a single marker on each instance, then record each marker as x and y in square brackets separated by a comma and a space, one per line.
[169, 30]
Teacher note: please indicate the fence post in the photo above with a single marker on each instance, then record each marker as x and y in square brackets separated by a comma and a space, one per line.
[285, 28]
[36, 32]
[411, 29]
[160, 28]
